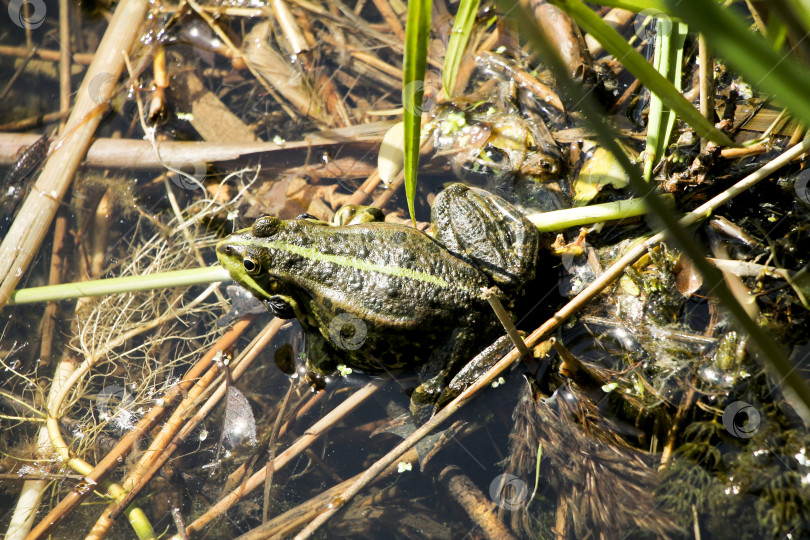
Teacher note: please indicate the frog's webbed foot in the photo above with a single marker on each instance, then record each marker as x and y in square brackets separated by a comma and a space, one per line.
[403, 426]
[424, 398]
[489, 231]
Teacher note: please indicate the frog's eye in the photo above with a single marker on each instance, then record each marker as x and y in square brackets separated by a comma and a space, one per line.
[251, 265]
[306, 216]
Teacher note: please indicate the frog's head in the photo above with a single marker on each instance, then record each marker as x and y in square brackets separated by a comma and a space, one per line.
[250, 258]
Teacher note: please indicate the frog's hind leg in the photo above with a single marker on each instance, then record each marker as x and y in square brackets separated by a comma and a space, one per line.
[442, 380]
[489, 231]
[474, 369]
[436, 373]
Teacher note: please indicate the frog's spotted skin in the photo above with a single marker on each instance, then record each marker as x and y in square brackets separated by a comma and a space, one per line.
[379, 296]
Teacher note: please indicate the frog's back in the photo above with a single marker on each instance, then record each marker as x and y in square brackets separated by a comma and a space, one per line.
[383, 273]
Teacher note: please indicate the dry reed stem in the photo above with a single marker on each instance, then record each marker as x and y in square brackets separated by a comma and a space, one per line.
[271, 452]
[155, 451]
[34, 121]
[44, 54]
[140, 155]
[64, 57]
[27, 232]
[124, 445]
[179, 426]
[283, 524]
[390, 18]
[303, 442]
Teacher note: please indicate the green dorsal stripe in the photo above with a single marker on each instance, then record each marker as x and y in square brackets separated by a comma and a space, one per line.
[352, 262]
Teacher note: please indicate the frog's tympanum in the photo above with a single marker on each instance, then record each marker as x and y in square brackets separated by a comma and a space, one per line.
[380, 297]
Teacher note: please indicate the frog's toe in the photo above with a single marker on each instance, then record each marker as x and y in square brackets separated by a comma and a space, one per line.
[423, 405]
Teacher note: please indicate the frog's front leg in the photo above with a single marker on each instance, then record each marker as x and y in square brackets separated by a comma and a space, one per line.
[321, 357]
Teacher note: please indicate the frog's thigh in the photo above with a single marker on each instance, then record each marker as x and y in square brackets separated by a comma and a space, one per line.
[489, 230]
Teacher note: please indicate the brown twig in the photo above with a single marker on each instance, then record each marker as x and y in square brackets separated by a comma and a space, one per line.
[478, 506]
[177, 429]
[114, 458]
[706, 83]
[687, 401]
[271, 453]
[27, 232]
[311, 435]
[44, 54]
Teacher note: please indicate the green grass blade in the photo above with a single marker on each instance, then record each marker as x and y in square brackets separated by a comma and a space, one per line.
[668, 62]
[99, 287]
[616, 45]
[749, 54]
[462, 27]
[559, 220]
[417, 35]
[769, 351]
[636, 6]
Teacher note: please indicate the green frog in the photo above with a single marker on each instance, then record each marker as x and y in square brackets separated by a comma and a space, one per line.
[382, 297]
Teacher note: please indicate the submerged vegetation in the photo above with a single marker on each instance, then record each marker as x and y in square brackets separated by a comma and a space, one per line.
[662, 401]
